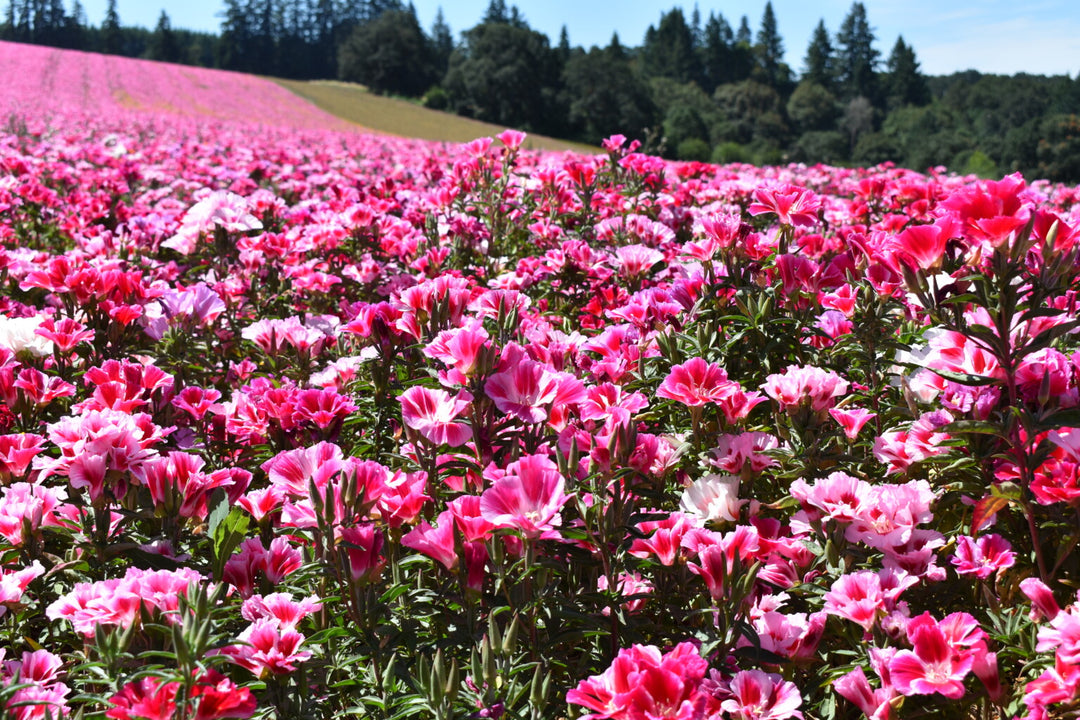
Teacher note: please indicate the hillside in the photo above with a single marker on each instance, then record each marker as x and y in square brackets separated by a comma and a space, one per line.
[400, 117]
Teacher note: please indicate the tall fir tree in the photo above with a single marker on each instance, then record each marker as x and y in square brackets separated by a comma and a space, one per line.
[770, 50]
[163, 43]
[744, 34]
[668, 50]
[856, 57]
[820, 61]
[905, 84]
[442, 44]
[112, 39]
[716, 53]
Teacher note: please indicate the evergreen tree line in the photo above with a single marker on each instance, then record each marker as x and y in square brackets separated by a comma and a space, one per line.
[697, 88]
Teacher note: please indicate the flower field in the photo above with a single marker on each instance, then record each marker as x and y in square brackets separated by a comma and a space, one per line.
[298, 422]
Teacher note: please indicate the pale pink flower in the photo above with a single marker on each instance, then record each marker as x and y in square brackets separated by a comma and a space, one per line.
[13, 584]
[758, 695]
[805, 386]
[269, 648]
[713, 498]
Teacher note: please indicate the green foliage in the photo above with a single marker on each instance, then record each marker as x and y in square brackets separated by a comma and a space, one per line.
[905, 85]
[668, 50]
[749, 111]
[812, 107]
[605, 95]
[730, 152]
[820, 59]
[389, 55]
[1059, 147]
[693, 149]
[506, 74]
[821, 146]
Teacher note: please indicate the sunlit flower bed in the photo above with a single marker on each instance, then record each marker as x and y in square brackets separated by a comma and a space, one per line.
[305, 424]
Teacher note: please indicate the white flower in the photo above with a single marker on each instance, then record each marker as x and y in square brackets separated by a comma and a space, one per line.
[713, 498]
[17, 335]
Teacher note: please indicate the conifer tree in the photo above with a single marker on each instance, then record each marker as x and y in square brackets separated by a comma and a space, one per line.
[820, 60]
[906, 85]
[856, 57]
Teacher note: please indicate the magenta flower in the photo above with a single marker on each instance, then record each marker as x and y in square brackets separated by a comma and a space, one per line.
[695, 383]
[852, 419]
[940, 659]
[524, 390]
[432, 413]
[792, 205]
[984, 557]
[527, 498]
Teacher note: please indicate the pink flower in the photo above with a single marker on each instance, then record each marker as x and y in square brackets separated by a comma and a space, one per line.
[858, 597]
[695, 383]
[524, 390]
[635, 260]
[924, 245]
[432, 414]
[876, 704]
[280, 607]
[437, 542]
[643, 683]
[153, 698]
[938, 662]
[757, 695]
[16, 452]
[1042, 599]
[805, 386]
[792, 205]
[852, 419]
[984, 557]
[363, 548]
[527, 497]
[269, 648]
[13, 584]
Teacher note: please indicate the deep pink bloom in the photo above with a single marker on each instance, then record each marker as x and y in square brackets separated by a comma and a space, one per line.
[987, 556]
[942, 656]
[433, 413]
[876, 704]
[524, 390]
[527, 497]
[151, 698]
[852, 419]
[363, 548]
[923, 246]
[695, 382]
[792, 205]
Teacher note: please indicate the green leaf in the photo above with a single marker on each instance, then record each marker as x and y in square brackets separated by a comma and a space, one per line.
[965, 378]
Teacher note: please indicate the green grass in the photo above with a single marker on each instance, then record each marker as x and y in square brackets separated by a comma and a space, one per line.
[395, 116]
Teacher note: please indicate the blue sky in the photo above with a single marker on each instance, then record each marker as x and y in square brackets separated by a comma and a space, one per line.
[992, 36]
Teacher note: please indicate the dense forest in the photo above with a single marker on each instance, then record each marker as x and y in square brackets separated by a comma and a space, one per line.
[696, 88]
